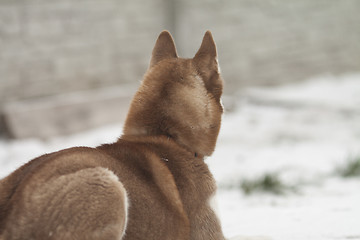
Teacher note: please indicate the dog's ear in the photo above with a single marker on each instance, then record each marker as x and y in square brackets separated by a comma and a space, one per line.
[164, 48]
[207, 66]
[207, 49]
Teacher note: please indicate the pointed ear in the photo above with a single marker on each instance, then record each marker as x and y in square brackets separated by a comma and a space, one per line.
[164, 48]
[207, 48]
[206, 63]
[206, 57]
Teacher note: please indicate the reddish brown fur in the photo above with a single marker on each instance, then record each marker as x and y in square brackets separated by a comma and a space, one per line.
[156, 167]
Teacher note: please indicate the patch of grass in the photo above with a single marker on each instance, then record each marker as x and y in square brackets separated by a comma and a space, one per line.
[351, 168]
[269, 183]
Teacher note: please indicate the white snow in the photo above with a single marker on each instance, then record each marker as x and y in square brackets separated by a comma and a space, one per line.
[301, 131]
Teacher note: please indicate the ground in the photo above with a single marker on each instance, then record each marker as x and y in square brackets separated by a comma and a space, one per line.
[281, 160]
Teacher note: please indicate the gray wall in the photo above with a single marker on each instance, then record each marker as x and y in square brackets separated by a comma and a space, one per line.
[274, 41]
[52, 47]
[49, 47]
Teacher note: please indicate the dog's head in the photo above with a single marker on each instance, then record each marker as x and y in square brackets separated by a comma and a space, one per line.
[180, 98]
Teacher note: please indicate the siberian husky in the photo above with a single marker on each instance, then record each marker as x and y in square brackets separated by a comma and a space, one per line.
[150, 184]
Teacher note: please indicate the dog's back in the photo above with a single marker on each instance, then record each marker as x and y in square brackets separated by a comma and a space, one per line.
[75, 194]
[151, 184]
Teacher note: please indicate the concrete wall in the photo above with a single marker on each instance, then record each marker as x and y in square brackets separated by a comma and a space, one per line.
[51, 48]
[274, 41]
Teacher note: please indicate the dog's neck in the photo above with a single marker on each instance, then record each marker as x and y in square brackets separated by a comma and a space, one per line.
[160, 140]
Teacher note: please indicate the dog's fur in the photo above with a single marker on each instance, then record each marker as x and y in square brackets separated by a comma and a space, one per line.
[150, 184]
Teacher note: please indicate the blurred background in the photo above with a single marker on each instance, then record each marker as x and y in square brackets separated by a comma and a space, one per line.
[287, 161]
[65, 62]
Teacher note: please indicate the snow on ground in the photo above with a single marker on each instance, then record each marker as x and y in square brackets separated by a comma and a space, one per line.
[301, 132]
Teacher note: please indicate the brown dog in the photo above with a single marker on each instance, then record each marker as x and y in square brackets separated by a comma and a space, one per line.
[150, 184]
